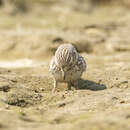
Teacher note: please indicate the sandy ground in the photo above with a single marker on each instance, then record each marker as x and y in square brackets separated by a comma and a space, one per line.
[103, 100]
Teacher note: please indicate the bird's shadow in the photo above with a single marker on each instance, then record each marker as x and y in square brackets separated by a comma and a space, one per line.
[91, 85]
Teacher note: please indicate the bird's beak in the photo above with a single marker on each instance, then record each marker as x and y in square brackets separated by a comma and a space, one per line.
[63, 73]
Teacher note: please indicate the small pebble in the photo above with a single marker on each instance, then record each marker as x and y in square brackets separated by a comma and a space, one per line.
[7, 107]
[42, 89]
[122, 101]
[111, 86]
[63, 96]
[128, 116]
[116, 78]
[99, 81]
[61, 105]
[114, 98]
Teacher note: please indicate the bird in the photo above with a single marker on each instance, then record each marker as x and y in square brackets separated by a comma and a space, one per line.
[67, 66]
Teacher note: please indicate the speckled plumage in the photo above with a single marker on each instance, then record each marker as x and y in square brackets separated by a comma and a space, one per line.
[67, 66]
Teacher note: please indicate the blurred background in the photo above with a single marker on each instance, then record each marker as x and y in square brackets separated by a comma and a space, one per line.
[35, 28]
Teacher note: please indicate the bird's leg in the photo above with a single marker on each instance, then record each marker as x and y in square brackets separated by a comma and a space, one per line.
[69, 86]
[55, 85]
[76, 84]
